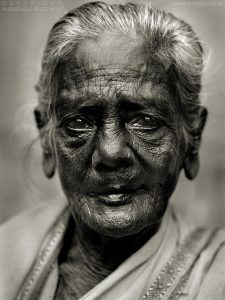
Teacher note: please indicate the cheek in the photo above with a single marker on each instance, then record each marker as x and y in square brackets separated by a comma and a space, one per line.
[73, 164]
[159, 156]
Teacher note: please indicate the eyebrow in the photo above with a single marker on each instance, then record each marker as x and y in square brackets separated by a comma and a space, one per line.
[83, 104]
[92, 104]
[151, 102]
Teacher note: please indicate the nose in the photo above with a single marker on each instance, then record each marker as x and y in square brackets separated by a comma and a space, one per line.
[112, 152]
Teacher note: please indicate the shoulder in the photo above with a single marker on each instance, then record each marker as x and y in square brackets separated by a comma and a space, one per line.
[213, 265]
[207, 279]
[21, 238]
[36, 219]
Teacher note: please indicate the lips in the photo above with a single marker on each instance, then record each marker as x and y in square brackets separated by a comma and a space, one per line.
[116, 196]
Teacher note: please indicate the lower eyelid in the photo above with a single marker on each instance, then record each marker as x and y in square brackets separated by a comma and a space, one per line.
[144, 127]
[146, 130]
[78, 132]
[79, 129]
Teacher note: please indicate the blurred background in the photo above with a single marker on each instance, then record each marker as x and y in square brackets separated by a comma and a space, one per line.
[24, 26]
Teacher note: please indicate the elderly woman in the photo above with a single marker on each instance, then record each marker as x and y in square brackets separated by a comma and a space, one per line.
[119, 118]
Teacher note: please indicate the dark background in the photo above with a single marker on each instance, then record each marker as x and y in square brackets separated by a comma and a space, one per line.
[24, 26]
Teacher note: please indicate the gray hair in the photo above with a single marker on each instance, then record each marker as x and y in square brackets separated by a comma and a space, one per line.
[168, 38]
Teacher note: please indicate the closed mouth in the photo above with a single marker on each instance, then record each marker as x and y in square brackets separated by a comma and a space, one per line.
[115, 197]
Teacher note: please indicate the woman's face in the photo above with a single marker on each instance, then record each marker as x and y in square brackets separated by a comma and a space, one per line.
[117, 136]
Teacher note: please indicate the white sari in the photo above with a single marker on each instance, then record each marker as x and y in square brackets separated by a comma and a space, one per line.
[173, 264]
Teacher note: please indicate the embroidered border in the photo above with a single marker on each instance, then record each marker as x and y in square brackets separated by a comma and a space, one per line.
[47, 251]
[173, 277]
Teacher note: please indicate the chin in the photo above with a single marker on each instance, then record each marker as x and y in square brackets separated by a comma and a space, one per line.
[117, 227]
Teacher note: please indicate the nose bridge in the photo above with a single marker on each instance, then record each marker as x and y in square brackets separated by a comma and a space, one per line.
[112, 141]
[111, 149]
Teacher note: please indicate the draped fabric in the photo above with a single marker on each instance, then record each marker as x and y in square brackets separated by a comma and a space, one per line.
[30, 244]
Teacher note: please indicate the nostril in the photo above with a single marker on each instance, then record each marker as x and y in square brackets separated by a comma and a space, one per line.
[103, 168]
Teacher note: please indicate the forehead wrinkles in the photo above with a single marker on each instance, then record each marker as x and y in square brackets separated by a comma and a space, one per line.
[101, 87]
[108, 79]
[151, 70]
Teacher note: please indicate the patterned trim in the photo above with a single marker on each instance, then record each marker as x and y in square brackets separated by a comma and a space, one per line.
[47, 255]
[172, 279]
[169, 284]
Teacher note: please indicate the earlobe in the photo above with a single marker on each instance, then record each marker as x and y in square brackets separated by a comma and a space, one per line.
[191, 161]
[203, 118]
[49, 165]
[191, 166]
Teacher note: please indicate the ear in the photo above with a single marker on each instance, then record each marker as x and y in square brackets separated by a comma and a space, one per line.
[49, 165]
[191, 162]
[48, 160]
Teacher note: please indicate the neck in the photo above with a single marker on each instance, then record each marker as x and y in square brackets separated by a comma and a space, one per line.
[92, 256]
[109, 251]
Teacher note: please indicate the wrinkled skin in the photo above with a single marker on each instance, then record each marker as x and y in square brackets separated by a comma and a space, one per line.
[119, 151]
[116, 130]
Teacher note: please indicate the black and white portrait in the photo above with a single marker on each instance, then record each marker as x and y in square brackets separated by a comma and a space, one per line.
[112, 169]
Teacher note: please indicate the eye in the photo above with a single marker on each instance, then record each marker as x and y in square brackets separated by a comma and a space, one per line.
[145, 123]
[78, 124]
